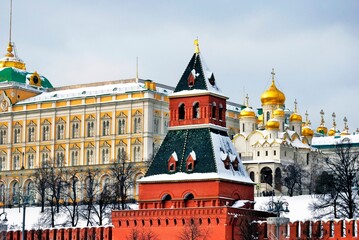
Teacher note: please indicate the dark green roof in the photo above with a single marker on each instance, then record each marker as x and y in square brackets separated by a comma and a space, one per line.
[10, 74]
[183, 142]
[200, 83]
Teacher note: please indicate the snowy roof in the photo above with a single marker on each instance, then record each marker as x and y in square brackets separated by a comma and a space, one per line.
[197, 76]
[333, 140]
[96, 89]
[209, 145]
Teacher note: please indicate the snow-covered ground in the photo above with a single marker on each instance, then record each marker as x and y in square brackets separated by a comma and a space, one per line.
[298, 206]
[298, 210]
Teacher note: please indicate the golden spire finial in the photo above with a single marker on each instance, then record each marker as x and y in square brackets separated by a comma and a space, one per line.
[345, 123]
[306, 117]
[196, 46]
[334, 123]
[247, 98]
[273, 73]
[322, 117]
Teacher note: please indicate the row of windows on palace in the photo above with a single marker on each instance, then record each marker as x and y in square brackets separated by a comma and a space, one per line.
[27, 160]
[76, 129]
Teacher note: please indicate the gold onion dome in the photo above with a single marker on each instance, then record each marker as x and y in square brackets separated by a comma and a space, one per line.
[273, 96]
[346, 128]
[272, 124]
[279, 112]
[322, 129]
[307, 131]
[331, 132]
[295, 117]
[247, 112]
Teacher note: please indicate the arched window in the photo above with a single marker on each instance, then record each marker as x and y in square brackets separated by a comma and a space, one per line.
[196, 113]
[214, 110]
[181, 112]
[220, 114]
[268, 116]
[90, 128]
[251, 175]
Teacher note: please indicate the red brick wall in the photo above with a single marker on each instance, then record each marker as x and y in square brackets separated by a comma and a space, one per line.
[206, 193]
[205, 106]
[94, 233]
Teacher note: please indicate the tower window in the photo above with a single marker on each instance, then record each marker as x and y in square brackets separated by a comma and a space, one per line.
[214, 109]
[220, 114]
[181, 112]
[196, 113]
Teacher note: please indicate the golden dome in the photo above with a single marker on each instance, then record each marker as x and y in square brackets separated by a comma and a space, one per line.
[272, 124]
[322, 130]
[10, 60]
[273, 96]
[279, 112]
[247, 112]
[331, 132]
[295, 117]
[307, 131]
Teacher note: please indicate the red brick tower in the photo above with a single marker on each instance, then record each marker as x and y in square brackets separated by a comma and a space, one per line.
[197, 178]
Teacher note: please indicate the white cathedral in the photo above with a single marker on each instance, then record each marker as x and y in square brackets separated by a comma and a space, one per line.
[277, 138]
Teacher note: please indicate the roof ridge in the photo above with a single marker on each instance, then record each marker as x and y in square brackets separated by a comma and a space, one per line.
[184, 150]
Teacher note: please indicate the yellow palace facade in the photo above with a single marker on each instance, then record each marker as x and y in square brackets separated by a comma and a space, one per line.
[79, 126]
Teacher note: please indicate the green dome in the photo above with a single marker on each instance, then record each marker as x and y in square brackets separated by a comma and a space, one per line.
[10, 74]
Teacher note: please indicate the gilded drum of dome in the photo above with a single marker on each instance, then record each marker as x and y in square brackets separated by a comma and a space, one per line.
[307, 132]
[279, 112]
[272, 124]
[295, 117]
[247, 112]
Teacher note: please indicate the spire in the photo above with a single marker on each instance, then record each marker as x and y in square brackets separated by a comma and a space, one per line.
[306, 118]
[136, 69]
[273, 73]
[345, 124]
[247, 102]
[10, 22]
[322, 118]
[295, 106]
[196, 46]
[334, 124]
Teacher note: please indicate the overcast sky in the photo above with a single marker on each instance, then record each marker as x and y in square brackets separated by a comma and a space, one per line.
[312, 45]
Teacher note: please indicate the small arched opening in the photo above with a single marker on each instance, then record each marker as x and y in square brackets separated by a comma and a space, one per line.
[166, 201]
[181, 112]
[189, 200]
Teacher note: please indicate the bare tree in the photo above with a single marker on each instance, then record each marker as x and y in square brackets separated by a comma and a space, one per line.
[193, 230]
[41, 177]
[122, 172]
[55, 188]
[103, 201]
[292, 179]
[90, 190]
[71, 205]
[342, 192]
[141, 234]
